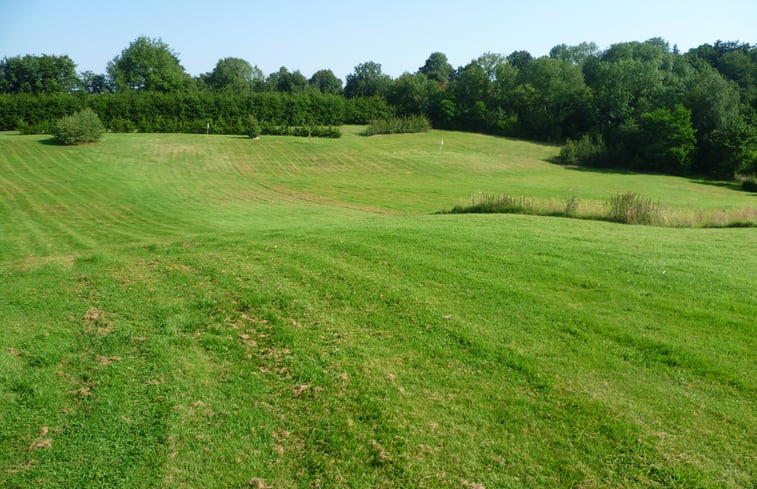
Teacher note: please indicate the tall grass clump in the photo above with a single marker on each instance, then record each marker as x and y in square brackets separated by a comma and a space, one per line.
[398, 125]
[81, 127]
[486, 203]
[632, 208]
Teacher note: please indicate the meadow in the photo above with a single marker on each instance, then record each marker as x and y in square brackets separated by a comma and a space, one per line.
[215, 311]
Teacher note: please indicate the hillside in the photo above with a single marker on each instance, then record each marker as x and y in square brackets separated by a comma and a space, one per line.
[212, 311]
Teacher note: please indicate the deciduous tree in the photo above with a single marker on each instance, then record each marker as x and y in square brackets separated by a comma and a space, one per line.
[367, 80]
[38, 74]
[326, 82]
[148, 64]
[234, 74]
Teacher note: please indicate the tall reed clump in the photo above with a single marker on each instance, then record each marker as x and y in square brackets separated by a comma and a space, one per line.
[632, 208]
[398, 125]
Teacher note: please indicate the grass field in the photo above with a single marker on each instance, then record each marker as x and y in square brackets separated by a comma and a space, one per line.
[212, 311]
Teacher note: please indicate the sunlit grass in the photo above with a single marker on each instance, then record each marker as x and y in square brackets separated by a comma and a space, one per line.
[190, 311]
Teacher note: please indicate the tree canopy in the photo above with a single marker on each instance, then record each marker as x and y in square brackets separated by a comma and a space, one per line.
[148, 64]
[643, 104]
[38, 74]
[233, 74]
[367, 80]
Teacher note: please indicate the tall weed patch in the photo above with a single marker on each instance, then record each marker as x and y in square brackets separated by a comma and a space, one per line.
[632, 208]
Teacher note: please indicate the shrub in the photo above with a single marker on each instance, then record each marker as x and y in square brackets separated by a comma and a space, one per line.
[398, 125]
[587, 151]
[632, 208]
[42, 127]
[253, 127]
[749, 184]
[303, 131]
[81, 127]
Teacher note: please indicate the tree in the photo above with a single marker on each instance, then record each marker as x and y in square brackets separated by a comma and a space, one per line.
[38, 74]
[94, 83]
[666, 140]
[490, 62]
[437, 68]
[148, 64]
[574, 54]
[367, 80]
[519, 59]
[471, 90]
[412, 94]
[233, 74]
[326, 82]
[552, 100]
[286, 81]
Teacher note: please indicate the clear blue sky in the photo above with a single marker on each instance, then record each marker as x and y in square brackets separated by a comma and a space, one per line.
[339, 34]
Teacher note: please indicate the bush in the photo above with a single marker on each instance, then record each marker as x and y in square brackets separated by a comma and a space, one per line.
[253, 127]
[81, 127]
[398, 125]
[587, 151]
[749, 184]
[632, 208]
[303, 131]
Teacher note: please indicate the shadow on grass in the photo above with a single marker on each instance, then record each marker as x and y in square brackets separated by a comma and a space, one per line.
[695, 179]
[51, 141]
[717, 183]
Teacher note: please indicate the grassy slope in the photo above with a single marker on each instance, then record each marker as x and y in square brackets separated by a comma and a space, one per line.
[190, 311]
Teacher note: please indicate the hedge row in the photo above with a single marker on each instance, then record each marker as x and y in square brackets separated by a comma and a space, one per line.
[190, 112]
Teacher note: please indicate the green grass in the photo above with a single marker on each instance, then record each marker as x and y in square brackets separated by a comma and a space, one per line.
[191, 311]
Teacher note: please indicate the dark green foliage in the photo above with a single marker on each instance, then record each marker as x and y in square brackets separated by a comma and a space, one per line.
[148, 64]
[726, 151]
[254, 129]
[749, 184]
[666, 140]
[93, 83]
[286, 81]
[631, 208]
[586, 151]
[398, 125]
[325, 81]
[362, 110]
[302, 131]
[226, 112]
[81, 127]
[437, 68]
[233, 74]
[367, 80]
[413, 94]
[38, 74]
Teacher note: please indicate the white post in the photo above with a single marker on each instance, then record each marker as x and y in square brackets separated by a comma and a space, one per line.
[441, 145]
[207, 129]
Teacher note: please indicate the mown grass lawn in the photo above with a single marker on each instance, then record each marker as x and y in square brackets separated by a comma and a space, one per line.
[191, 311]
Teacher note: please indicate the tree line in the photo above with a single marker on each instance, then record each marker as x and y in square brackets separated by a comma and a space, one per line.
[642, 105]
